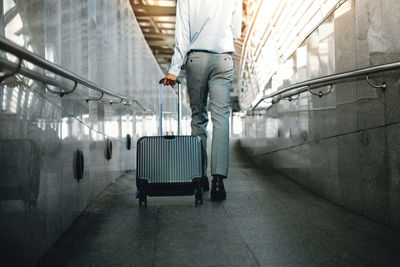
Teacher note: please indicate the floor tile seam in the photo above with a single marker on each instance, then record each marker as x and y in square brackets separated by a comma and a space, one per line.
[269, 245]
[259, 178]
[284, 203]
[243, 239]
[291, 262]
[297, 214]
[363, 218]
[128, 192]
[278, 231]
[298, 188]
[259, 181]
[388, 202]
[335, 234]
[97, 198]
[155, 239]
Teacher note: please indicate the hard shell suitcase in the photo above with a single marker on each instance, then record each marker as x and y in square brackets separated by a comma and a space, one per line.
[169, 165]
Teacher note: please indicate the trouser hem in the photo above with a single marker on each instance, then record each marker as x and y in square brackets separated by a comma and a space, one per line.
[221, 173]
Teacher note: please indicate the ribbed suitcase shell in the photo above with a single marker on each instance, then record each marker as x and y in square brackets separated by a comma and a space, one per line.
[169, 165]
[169, 159]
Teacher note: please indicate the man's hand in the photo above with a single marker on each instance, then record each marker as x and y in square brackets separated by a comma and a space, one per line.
[170, 79]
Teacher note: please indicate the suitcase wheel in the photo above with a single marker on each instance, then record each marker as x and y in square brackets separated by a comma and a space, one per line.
[198, 196]
[141, 195]
[143, 200]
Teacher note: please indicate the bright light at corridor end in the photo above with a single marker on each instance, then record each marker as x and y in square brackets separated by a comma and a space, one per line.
[276, 31]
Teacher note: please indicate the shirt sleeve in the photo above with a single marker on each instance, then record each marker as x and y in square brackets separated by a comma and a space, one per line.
[182, 37]
[236, 24]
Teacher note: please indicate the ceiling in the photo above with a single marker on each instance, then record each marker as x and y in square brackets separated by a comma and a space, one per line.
[157, 21]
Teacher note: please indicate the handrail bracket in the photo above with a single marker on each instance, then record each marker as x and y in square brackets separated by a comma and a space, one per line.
[62, 92]
[290, 98]
[320, 93]
[87, 99]
[17, 69]
[382, 87]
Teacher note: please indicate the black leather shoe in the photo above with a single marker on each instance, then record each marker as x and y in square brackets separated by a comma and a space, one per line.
[218, 189]
[204, 183]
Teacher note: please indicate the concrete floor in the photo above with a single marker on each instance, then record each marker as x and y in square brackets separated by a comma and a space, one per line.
[266, 220]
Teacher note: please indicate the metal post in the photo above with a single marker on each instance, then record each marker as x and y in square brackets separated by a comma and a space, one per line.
[160, 107]
[179, 108]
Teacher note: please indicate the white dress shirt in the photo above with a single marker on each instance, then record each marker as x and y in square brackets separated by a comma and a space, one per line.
[210, 25]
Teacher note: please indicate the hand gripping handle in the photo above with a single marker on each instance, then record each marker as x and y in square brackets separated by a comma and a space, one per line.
[161, 107]
[177, 81]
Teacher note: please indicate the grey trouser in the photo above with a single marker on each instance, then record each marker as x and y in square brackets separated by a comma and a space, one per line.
[211, 74]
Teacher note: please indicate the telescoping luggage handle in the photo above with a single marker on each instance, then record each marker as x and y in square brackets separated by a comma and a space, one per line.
[161, 107]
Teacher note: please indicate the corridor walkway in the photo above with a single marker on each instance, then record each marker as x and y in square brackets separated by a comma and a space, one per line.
[266, 220]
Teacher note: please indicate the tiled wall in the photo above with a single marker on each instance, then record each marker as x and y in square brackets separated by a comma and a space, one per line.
[344, 146]
[40, 131]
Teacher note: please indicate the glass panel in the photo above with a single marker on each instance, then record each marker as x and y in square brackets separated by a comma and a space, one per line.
[278, 30]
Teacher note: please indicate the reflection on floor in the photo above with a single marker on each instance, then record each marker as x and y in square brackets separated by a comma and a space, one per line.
[266, 221]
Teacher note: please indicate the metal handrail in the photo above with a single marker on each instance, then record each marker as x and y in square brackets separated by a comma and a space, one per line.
[329, 80]
[259, 47]
[23, 54]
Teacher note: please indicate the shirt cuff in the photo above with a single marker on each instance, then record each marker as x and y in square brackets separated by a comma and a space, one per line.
[175, 70]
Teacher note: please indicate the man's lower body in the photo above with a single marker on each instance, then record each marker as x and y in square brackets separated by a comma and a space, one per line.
[211, 75]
